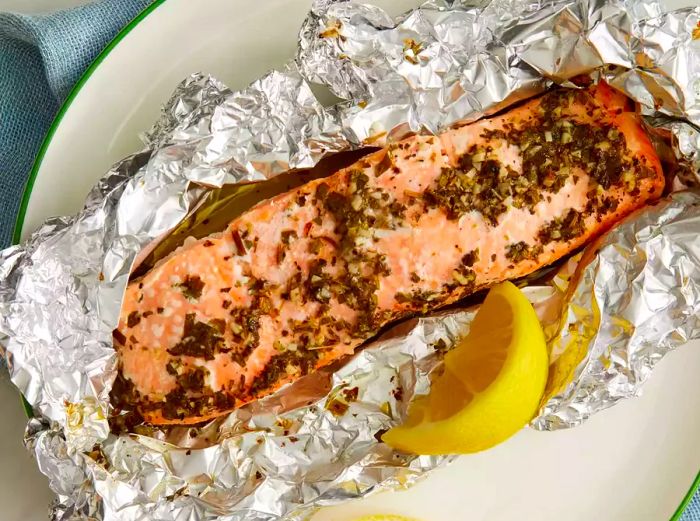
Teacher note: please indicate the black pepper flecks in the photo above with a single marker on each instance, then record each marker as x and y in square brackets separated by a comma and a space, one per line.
[551, 147]
[283, 364]
[320, 331]
[520, 251]
[191, 287]
[418, 299]
[469, 258]
[565, 228]
[244, 324]
[473, 186]
[180, 403]
[198, 339]
[287, 236]
[194, 379]
[355, 214]
[600, 204]
[465, 277]
[173, 367]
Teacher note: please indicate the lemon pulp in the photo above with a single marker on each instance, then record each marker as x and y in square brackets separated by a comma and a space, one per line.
[490, 386]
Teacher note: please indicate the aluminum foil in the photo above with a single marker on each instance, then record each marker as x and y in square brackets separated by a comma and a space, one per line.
[316, 442]
[635, 297]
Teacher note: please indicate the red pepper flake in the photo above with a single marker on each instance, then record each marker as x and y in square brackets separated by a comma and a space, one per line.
[208, 243]
[351, 394]
[160, 310]
[133, 319]
[225, 290]
[240, 247]
[281, 253]
[329, 240]
[307, 228]
[337, 407]
[147, 314]
[119, 337]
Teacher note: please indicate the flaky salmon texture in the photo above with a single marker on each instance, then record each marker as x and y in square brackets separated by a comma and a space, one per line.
[305, 278]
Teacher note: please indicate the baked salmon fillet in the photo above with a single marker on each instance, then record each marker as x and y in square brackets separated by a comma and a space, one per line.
[303, 279]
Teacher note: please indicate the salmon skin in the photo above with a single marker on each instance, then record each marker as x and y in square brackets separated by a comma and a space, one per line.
[305, 278]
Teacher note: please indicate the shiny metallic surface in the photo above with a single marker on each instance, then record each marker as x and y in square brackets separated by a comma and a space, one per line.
[609, 314]
[634, 297]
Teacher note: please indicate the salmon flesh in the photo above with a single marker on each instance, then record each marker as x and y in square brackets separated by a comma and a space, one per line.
[304, 278]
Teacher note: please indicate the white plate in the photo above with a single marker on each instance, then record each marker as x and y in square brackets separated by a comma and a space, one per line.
[634, 462]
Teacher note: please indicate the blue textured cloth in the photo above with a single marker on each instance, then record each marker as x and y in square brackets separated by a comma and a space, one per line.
[692, 511]
[41, 58]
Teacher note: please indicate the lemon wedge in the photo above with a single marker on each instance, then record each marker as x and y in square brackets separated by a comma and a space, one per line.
[491, 384]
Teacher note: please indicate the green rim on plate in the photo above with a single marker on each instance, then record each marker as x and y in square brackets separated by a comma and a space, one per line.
[19, 223]
[687, 499]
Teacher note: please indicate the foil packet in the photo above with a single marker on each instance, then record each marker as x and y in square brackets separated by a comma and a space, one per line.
[316, 442]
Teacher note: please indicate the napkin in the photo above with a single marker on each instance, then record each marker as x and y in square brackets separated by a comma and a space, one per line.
[41, 58]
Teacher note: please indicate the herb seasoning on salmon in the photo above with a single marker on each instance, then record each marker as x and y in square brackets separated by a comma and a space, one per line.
[305, 278]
